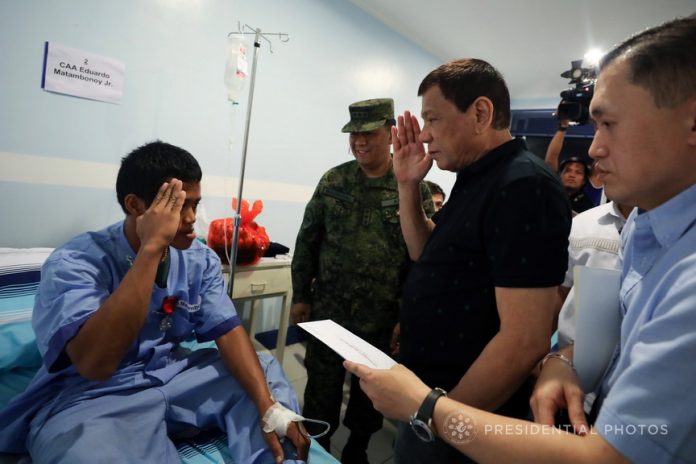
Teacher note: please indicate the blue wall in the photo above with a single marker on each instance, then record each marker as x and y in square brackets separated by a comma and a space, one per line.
[59, 154]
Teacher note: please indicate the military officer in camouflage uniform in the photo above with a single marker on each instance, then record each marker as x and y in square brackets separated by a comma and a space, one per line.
[349, 264]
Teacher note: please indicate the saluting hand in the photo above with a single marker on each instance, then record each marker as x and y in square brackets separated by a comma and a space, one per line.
[158, 225]
[411, 162]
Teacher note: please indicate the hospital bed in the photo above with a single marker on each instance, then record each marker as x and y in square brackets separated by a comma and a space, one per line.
[20, 359]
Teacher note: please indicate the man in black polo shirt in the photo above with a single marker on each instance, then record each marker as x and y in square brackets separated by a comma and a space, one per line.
[477, 306]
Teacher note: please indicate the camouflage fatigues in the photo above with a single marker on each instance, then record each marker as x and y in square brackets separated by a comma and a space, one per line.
[349, 262]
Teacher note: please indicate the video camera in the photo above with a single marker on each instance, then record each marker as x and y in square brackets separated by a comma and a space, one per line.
[575, 101]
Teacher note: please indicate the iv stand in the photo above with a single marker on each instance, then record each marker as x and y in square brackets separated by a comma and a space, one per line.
[237, 215]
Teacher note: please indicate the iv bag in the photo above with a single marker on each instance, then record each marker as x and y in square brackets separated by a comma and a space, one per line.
[236, 68]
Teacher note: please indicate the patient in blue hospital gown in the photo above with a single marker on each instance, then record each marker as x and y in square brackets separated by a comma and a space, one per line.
[112, 310]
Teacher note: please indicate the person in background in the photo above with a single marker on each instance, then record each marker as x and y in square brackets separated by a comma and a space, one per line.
[349, 265]
[437, 193]
[111, 313]
[574, 171]
[575, 174]
[477, 307]
[644, 109]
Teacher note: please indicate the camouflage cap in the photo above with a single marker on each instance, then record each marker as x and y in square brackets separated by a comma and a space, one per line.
[368, 115]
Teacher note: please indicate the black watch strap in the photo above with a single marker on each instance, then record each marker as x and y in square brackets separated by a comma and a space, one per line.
[425, 412]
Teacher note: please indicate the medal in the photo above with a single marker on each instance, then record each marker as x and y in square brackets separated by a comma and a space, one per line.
[168, 307]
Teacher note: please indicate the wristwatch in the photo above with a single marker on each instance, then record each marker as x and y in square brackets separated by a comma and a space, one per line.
[422, 419]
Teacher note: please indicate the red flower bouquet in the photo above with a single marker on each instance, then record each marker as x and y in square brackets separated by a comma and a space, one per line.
[253, 240]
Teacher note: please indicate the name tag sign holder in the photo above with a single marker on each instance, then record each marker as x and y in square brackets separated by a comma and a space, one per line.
[70, 71]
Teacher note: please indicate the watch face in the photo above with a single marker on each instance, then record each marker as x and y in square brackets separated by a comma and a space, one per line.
[421, 430]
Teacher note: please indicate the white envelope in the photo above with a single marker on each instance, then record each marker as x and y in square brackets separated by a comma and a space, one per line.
[348, 345]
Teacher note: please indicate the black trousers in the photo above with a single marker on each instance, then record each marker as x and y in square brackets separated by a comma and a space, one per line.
[324, 393]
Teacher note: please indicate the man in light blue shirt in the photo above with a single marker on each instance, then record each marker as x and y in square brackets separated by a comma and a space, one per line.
[647, 412]
[644, 109]
[648, 158]
[111, 313]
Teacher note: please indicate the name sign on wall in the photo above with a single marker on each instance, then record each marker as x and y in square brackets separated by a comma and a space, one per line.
[76, 72]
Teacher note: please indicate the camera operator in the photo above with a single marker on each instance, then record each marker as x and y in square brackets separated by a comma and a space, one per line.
[574, 171]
